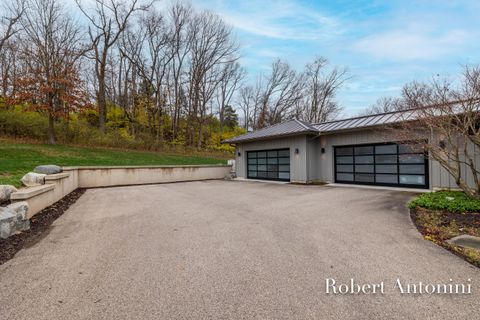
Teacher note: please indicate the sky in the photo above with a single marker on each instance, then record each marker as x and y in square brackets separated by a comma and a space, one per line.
[384, 44]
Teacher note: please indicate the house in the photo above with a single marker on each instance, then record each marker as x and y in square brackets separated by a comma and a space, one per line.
[359, 150]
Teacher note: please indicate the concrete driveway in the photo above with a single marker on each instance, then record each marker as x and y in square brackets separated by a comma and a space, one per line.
[232, 250]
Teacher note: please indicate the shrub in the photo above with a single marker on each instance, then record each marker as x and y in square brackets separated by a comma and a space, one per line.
[453, 201]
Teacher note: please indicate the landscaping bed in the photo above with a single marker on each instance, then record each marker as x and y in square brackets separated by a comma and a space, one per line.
[39, 224]
[442, 215]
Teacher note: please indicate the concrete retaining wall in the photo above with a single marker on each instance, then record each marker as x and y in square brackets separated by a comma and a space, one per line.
[59, 185]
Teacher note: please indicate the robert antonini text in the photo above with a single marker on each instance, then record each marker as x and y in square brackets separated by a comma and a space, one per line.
[403, 287]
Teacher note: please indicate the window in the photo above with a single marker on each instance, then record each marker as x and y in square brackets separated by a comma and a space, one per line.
[403, 164]
[269, 164]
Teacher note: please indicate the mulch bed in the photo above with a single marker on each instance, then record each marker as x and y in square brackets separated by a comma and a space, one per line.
[38, 225]
[440, 226]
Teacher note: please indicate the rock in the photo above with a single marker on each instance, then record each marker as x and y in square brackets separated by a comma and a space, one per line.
[5, 192]
[8, 222]
[48, 169]
[32, 179]
[466, 240]
[20, 209]
[230, 176]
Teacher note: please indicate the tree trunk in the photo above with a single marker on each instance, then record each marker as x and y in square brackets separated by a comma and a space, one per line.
[200, 135]
[52, 139]
[102, 105]
[160, 129]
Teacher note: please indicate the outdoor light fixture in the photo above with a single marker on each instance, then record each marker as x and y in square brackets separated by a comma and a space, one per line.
[297, 151]
[322, 150]
[239, 154]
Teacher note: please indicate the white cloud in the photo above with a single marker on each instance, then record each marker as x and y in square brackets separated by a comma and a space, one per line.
[413, 44]
[286, 20]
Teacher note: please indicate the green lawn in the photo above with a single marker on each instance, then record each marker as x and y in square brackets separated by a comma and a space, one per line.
[16, 158]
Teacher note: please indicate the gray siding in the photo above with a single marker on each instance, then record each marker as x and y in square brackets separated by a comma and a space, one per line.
[298, 162]
[325, 166]
[438, 177]
[310, 165]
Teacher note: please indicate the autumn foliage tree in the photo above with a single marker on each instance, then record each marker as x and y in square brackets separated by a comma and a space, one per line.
[49, 80]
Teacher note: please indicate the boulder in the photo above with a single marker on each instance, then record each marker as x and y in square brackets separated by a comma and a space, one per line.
[466, 241]
[32, 179]
[20, 209]
[8, 222]
[48, 169]
[5, 192]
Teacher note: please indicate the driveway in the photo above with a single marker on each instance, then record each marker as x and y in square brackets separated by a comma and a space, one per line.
[232, 250]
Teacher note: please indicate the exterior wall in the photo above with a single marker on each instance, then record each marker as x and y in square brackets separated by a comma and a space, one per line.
[325, 167]
[311, 165]
[89, 177]
[439, 178]
[314, 157]
[298, 162]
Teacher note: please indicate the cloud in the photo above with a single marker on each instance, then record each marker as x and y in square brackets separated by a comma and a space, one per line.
[285, 20]
[413, 44]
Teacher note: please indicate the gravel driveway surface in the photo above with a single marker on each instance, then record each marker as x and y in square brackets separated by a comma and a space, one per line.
[232, 250]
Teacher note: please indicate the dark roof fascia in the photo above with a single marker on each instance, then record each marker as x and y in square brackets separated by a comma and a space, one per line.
[303, 133]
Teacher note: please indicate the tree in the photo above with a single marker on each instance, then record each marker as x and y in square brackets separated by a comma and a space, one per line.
[230, 77]
[247, 103]
[230, 118]
[150, 50]
[9, 28]
[320, 88]
[446, 120]
[9, 22]
[280, 93]
[385, 104]
[285, 93]
[49, 82]
[108, 20]
[211, 48]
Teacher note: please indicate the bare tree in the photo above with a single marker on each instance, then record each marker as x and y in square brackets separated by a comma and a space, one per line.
[211, 46]
[180, 15]
[385, 104]
[246, 101]
[230, 77]
[108, 20]
[281, 92]
[9, 21]
[320, 88]
[446, 121]
[11, 14]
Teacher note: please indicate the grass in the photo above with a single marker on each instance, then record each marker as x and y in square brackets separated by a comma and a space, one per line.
[18, 158]
[452, 201]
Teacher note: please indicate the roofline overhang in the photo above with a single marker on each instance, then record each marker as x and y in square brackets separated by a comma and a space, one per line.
[271, 137]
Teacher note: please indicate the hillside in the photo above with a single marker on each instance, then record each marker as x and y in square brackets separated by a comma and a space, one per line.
[18, 158]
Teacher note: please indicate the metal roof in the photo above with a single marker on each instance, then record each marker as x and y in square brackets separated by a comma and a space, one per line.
[365, 121]
[295, 126]
[289, 127]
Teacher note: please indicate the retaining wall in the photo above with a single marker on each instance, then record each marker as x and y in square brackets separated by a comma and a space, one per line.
[59, 185]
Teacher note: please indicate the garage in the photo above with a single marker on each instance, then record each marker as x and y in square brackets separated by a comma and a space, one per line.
[269, 164]
[388, 164]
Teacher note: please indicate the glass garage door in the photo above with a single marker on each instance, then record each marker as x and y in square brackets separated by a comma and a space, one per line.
[404, 165]
[269, 164]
